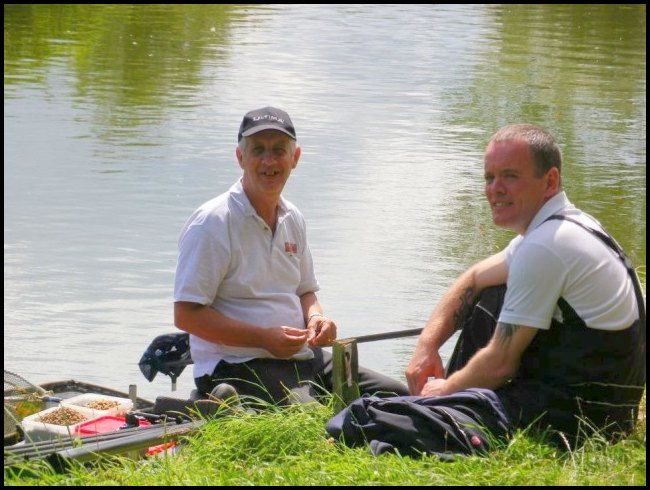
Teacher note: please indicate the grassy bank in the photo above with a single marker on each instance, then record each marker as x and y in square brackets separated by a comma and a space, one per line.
[290, 447]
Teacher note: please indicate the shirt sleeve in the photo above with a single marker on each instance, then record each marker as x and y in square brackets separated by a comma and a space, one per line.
[536, 278]
[308, 282]
[202, 264]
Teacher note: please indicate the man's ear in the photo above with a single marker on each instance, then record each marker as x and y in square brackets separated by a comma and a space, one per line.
[552, 182]
[296, 156]
[239, 156]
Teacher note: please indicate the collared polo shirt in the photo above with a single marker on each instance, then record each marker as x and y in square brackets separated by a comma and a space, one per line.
[230, 260]
[558, 258]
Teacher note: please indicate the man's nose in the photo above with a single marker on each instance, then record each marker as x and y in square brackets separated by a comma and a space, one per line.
[267, 156]
[497, 186]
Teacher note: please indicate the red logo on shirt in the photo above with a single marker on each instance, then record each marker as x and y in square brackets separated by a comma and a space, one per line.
[290, 247]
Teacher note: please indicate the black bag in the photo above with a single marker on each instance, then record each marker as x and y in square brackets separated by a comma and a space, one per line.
[467, 422]
[168, 354]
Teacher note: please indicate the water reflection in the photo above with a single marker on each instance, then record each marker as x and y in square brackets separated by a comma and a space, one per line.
[133, 63]
[579, 71]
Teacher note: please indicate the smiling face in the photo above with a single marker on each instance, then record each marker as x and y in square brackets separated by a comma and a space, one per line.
[267, 160]
[514, 190]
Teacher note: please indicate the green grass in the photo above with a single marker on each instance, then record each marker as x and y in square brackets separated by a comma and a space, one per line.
[289, 446]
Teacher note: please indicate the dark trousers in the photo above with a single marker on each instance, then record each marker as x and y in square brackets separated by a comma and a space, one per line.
[477, 328]
[532, 400]
[285, 381]
[465, 422]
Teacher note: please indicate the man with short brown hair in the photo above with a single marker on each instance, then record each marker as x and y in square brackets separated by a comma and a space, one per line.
[553, 326]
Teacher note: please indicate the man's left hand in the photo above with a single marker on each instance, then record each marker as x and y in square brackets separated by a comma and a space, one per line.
[322, 331]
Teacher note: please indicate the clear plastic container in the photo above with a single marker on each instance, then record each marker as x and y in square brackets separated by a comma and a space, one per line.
[97, 402]
[37, 430]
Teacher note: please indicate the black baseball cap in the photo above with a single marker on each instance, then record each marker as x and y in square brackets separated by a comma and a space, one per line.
[266, 118]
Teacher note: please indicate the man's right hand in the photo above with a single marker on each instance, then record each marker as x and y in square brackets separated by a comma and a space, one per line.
[423, 365]
[284, 342]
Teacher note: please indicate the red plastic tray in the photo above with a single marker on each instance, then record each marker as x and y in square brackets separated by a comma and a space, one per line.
[104, 424]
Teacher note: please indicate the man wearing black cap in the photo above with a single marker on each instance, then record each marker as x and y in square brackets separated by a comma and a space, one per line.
[245, 284]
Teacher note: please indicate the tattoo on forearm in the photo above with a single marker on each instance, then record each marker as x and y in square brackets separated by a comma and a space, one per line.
[505, 331]
[464, 308]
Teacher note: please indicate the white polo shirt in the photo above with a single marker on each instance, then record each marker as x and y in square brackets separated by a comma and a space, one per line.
[229, 259]
[556, 259]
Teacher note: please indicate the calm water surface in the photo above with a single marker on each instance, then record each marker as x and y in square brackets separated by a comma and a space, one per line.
[120, 120]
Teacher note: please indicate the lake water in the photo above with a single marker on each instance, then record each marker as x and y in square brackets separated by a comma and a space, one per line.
[120, 120]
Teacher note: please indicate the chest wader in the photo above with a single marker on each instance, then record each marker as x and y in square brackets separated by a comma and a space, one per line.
[574, 378]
